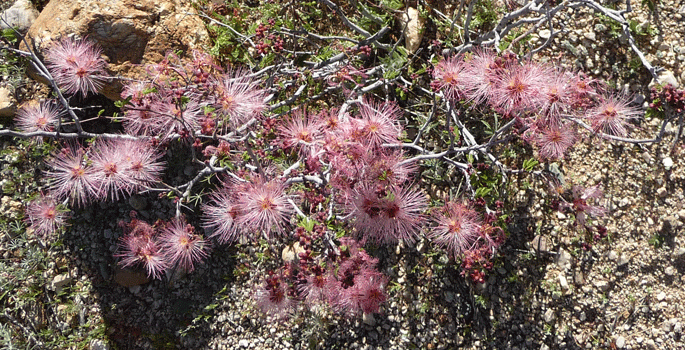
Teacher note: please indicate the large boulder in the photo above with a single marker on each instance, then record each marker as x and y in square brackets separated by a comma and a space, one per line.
[130, 32]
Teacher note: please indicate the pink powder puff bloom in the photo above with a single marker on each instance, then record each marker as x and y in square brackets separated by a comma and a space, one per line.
[264, 206]
[458, 228]
[71, 176]
[557, 98]
[386, 215]
[481, 75]
[369, 292]
[447, 76]
[272, 297]
[378, 123]
[45, 215]
[110, 167]
[611, 115]
[581, 197]
[553, 142]
[238, 98]
[519, 88]
[141, 162]
[139, 247]
[221, 214]
[76, 66]
[37, 117]
[181, 246]
[301, 133]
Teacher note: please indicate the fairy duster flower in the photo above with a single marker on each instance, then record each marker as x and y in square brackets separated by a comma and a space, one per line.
[386, 215]
[45, 215]
[76, 66]
[181, 245]
[611, 115]
[71, 176]
[37, 117]
[265, 206]
[458, 228]
[221, 214]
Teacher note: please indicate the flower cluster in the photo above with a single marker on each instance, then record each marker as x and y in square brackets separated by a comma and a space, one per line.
[162, 246]
[546, 100]
[347, 281]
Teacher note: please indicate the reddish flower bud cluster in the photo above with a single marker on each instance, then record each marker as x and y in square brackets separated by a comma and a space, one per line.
[669, 95]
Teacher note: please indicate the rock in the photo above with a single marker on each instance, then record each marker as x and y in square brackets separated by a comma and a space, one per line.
[665, 77]
[414, 32]
[680, 253]
[368, 319]
[620, 342]
[20, 16]
[549, 316]
[8, 105]
[541, 244]
[662, 192]
[59, 282]
[613, 256]
[545, 34]
[564, 259]
[622, 260]
[667, 162]
[98, 344]
[243, 343]
[669, 271]
[590, 36]
[130, 278]
[661, 296]
[137, 202]
[130, 32]
[602, 285]
[563, 283]
[290, 253]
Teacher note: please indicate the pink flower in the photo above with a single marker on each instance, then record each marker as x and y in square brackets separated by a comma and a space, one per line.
[72, 177]
[386, 215]
[611, 115]
[301, 133]
[45, 215]
[378, 124]
[369, 291]
[181, 246]
[458, 228]
[238, 98]
[265, 206]
[581, 197]
[222, 213]
[41, 117]
[76, 66]
[481, 75]
[448, 77]
[110, 168]
[140, 246]
[272, 297]
[519, 88]
[554, 141]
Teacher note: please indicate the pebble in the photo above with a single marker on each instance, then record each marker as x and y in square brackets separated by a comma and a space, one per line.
[563, 283]
[602, 285]
[243, 343]
[661, 296]
[549, 316]
[667, 162]
[620, 342]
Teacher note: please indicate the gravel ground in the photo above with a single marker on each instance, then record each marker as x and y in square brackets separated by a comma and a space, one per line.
[546, 291]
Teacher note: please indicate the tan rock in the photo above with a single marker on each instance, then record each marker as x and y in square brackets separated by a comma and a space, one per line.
[130, 32]
[8, 105]
[414, 32]
[130, 278]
